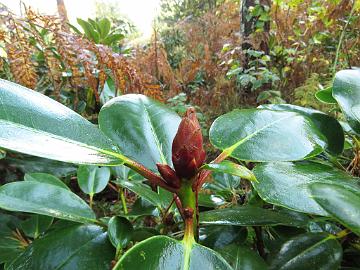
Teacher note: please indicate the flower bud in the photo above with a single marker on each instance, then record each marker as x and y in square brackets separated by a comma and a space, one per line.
[187, 149]
[169, 175]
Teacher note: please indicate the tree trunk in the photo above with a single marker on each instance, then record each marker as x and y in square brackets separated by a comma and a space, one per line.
[248, 24]
[62, 11]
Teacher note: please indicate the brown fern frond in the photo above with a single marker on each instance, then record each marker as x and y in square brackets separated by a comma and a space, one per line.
[19, 53]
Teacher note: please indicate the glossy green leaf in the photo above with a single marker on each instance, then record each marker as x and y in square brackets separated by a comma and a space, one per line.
[122, 172]
[309, 251]
[31, 164]
[89, 30]
[74, 28]
[242, 258]
[217, 237]
[145, 192]
[44, 199]
[245, 135]
[40, 126]
[8, 223]
[85, 26]
[93, 23]
[164, 253]
[120, 232]
[346, 127]
[340, 202]
[348, 144]
[36, 225]
[224, 185]
[80, 247]
[276, 236]
[346, 91]
[223, 181]
[210, 200]
[141, 127]
[328, 226]
[287, 184]
[2, 154]
[325, 96]
[229, 167]
[249, 216]
[45, 178]
[10, 247]
[109, 40]
[93, 179]
[166, 198]
[327, 125]
[144, 233]
[143, 207]
[108, 92]
[104, 27]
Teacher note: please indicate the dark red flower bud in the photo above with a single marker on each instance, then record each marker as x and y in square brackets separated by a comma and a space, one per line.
[169, 175]
[187, 149]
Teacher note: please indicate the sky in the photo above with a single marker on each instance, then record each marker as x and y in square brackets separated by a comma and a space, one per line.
[140, 12]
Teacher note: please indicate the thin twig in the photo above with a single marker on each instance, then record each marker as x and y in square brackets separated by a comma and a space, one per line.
[259, 241]
[167, 210]
[342, 37]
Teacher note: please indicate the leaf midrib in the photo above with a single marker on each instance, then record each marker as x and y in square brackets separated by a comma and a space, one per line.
[307, 249]
[233, 147]
[156, 139]
[187, 253]
[78, 250]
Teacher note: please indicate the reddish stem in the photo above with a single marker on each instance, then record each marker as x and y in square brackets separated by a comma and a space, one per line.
[113, 187]
[149, 175]
[179, 206]
[167, 210]
[204, 174]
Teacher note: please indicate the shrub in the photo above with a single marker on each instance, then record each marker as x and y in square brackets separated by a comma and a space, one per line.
[297, 204]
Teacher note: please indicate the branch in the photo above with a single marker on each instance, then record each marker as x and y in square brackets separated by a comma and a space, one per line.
[149, 175]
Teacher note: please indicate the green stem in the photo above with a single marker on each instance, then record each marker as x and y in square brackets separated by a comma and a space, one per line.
[165, 213]
[118, 253]
[100, 223]
[356, 140]
[188, 200]
[123, 201]
[342, 233]
[335, 161]
[189, 231]
[91, 196]
[342, 38]
[188, 241]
